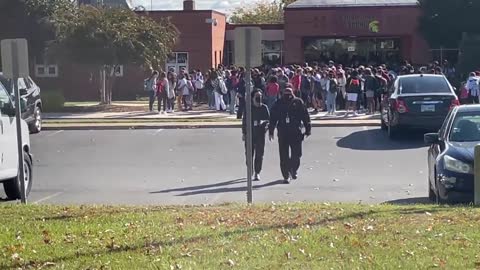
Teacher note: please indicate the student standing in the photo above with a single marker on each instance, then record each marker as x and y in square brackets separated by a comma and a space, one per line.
[272, 91]
[332, 92]
[150, 86]
[290, 116]
[162, 94]
[260, 119]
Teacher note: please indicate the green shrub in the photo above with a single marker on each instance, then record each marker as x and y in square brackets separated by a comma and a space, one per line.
[53, 100]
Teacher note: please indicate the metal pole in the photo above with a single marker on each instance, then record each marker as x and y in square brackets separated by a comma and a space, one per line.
[248, 105]
[476, 185]
[18, 113]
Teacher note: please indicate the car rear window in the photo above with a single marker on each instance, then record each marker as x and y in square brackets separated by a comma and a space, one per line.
[423, 85]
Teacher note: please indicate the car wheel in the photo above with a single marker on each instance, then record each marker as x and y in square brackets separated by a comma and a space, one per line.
[384, 125]
[439, 199]
[12, 187]
[36, 125]
[392, 132]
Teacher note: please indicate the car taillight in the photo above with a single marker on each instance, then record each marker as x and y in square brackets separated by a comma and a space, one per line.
[400, 106]
[455, 103]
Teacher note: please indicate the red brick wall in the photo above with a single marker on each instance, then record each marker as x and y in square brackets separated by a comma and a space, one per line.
[328, 22]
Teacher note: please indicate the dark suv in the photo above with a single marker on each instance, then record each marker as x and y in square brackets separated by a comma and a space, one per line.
[31, 93]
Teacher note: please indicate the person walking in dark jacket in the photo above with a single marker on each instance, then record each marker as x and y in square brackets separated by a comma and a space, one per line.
[241, 90]
[290, 116]
[260, 120]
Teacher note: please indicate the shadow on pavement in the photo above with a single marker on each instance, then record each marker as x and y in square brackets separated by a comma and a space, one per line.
[417, 200]
[377, 139]
[217, 188]
[226, 183]
[232, 189]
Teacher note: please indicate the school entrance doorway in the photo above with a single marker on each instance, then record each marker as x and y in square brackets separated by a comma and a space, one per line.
[348, 51]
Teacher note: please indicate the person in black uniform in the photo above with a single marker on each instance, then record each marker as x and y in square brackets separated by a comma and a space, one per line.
[260, 119]
[290, 116]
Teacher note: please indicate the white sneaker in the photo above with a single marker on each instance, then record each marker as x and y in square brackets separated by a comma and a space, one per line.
[256, 177]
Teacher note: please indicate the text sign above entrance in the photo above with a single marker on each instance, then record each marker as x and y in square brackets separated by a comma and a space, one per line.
[361, 23]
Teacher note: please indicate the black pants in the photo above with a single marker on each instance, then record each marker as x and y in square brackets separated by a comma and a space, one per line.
[162, 99]
[151, 99]
[241, 107]
[258, 150]
[290, 154]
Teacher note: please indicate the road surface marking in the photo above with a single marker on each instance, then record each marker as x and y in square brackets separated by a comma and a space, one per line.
[365, 128]
[54, 133]
[158, 131]
[48, 197]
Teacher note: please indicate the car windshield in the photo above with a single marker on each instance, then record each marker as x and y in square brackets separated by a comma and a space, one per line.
[6, 83]
[423, 84]
[465, 128]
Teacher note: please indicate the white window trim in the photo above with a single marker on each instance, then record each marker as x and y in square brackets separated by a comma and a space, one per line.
[118, 74]
[46, 69]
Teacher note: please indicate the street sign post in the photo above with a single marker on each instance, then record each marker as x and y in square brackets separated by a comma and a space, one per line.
[248, 53]
[15, 65]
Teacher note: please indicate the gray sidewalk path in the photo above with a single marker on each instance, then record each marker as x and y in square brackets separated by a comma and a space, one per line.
[190, 115]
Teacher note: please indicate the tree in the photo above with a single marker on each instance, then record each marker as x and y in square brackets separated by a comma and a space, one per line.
[443, 21]
[30, 19]
[109, 37]
[262, 12]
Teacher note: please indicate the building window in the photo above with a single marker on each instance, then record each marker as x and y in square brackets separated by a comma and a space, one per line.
[228, 59]
[272, 52]
[216, 63]
[118, 71]
[178, 61]
[46, 71]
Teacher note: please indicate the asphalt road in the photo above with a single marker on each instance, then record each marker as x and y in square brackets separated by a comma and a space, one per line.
[206, 166]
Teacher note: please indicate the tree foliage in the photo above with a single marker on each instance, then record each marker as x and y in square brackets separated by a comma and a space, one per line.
[108, 37]
[444, 21]
[262, 12]
[113, 36]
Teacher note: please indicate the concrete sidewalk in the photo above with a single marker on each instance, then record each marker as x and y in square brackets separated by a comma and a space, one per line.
[190, 115]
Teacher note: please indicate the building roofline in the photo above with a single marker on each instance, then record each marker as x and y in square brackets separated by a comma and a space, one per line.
[277, 26]
[184, 11]
[329, 7]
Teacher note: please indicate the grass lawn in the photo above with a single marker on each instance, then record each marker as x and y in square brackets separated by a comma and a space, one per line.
[282, 236]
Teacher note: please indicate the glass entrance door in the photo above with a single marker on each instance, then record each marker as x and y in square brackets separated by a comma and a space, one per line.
[354, 51]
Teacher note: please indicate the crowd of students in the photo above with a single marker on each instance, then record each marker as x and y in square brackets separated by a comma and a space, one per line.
[322, 87]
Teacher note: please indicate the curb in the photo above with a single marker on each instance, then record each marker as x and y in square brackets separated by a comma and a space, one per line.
[192, 126]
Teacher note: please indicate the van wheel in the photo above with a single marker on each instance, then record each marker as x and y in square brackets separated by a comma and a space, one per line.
[36, 125]
[12, 187]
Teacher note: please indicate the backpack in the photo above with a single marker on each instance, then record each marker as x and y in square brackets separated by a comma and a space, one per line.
[222, 86]
[190, 86]
[199, 84]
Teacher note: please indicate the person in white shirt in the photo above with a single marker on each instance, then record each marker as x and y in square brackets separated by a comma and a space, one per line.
[473, 88]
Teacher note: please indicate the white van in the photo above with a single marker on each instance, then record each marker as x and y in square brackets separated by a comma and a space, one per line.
[9, 167]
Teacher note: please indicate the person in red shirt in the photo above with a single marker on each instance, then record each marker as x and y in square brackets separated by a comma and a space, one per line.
[297, 81]
[272, 91]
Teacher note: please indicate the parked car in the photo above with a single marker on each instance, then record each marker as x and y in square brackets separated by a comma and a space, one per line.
[451, 156]
[31, 92]
[9, 165]
[420, 101]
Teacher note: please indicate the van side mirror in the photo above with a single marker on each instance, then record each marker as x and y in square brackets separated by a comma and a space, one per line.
[431, 138]
[23, 92]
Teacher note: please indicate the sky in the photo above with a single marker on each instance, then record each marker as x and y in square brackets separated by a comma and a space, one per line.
[220, 5]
